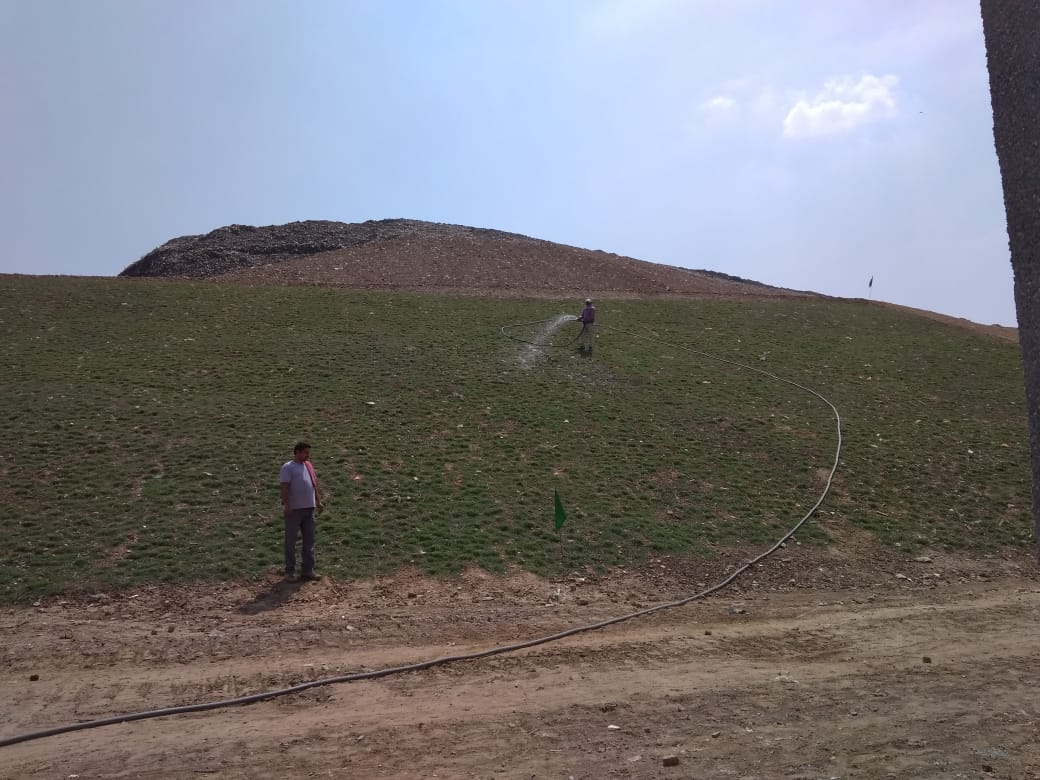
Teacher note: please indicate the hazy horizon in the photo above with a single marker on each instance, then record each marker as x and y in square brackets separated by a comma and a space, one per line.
[805, 145]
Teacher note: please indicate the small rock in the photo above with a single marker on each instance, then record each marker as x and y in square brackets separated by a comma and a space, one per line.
[902, 577]
[736, 610]
[716, 734]
[612, 727]
[922, 559]
[707, 633]
[926, 659]
[34, 677]
[608, 706]
[670, 761]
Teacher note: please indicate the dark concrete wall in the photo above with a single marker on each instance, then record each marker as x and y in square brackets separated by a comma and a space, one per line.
[1012, 31]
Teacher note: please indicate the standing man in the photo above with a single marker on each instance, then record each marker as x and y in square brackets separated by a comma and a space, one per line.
[588, 327]
[301, 500]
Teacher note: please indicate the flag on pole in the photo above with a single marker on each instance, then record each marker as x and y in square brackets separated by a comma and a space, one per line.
[871, 282]
[561, 516]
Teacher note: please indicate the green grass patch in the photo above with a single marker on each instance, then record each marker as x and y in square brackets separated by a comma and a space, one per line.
[144, 422]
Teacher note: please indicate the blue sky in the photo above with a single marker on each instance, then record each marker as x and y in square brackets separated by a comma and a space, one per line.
[810, 144]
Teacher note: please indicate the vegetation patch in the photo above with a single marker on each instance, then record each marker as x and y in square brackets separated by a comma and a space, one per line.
[144, 422]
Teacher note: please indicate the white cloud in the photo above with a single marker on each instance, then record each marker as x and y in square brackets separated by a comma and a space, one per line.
[719, 105]
[842, 105]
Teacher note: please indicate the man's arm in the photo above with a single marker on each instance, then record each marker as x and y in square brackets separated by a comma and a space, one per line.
[285, 496]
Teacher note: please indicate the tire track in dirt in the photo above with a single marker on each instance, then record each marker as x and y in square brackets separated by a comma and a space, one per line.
[786, 687]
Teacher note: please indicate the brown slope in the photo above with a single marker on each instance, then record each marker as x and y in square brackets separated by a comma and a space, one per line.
[461, 264]
[425, 256]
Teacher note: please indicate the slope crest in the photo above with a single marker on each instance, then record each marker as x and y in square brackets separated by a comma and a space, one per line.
[417, 255]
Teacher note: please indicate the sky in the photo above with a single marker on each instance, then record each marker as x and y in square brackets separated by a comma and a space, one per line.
[809, 144]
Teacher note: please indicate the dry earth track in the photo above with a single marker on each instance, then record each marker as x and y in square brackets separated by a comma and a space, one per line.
[820, 664]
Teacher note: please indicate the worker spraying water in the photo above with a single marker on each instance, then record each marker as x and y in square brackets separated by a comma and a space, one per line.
[587, 318]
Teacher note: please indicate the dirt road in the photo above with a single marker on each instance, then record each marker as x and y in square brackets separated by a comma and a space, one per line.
[815, 667]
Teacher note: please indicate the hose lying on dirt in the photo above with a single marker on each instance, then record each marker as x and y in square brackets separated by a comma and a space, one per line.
[356, 677]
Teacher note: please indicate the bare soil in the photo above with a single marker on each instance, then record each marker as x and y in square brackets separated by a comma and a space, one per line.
[492, 266]
[846, 661]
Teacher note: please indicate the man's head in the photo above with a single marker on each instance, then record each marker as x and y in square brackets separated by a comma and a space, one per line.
[588, 301]
[302, 451]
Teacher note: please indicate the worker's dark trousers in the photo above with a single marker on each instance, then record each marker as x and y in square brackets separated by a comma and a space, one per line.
[586, 336]
[299, 522]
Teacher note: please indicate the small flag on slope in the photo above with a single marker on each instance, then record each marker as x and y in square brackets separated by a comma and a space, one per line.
[561, 516]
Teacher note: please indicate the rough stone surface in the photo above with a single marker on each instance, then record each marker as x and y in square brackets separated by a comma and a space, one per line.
[1011, 28]
[244, 246]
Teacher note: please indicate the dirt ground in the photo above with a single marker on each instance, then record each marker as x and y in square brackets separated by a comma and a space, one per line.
[819, 663]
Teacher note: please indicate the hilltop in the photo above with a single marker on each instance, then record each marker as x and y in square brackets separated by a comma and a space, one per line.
[413, 255]
[432, 257]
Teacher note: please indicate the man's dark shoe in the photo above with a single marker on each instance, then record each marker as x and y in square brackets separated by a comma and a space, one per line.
[291, 577]
[311, 577]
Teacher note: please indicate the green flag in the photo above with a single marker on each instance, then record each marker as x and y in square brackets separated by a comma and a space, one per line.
[561, 516]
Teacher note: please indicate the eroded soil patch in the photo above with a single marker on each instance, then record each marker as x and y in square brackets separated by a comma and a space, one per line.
[826, 665]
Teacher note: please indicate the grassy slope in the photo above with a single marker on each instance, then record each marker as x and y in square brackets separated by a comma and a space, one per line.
[144, 423]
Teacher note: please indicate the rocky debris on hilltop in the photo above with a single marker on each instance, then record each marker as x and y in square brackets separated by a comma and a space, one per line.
[405, 254]
[235, 247]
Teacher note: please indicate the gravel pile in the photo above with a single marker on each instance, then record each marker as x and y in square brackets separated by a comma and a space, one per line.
[243, 246]
[405, 254]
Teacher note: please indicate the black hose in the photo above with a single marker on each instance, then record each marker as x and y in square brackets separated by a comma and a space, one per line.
[251, 699]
